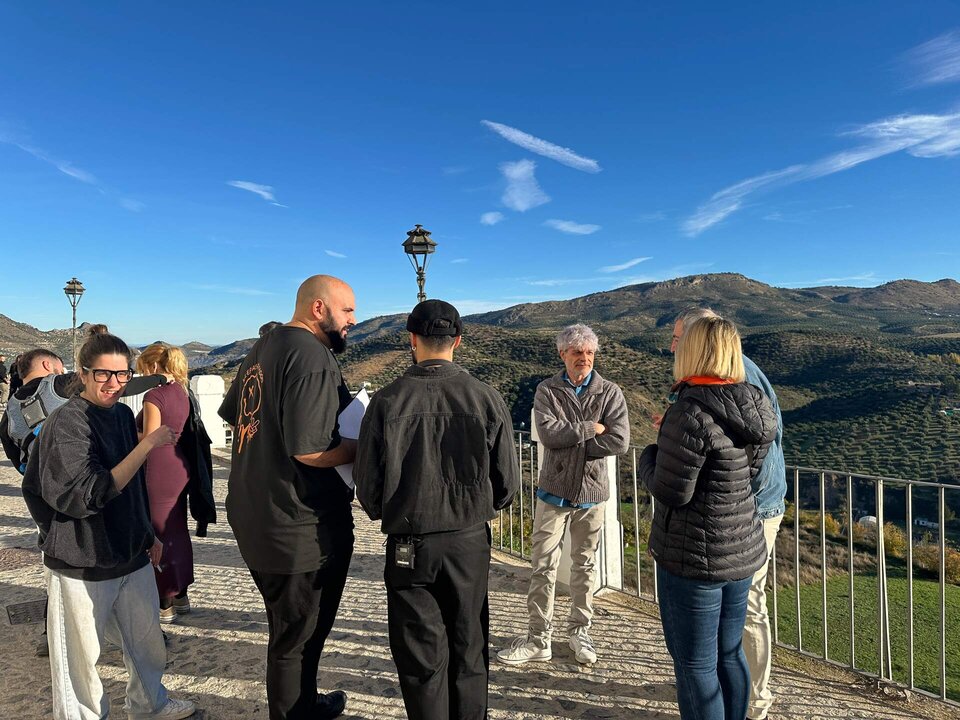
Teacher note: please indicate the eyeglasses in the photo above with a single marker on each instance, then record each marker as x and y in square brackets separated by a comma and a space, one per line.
[102, 376]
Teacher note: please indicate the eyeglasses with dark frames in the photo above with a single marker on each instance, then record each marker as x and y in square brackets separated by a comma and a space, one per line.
[102, 376]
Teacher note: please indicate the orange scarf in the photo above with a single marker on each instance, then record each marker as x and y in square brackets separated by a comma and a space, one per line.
[702, 380]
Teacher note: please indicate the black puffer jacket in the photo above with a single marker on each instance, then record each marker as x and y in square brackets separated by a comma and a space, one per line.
[712, 441]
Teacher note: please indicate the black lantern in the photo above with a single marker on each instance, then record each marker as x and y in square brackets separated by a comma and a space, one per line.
[419, 247]
[74, 291]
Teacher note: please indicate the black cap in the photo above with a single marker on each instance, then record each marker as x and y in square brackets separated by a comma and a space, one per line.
[435, 318]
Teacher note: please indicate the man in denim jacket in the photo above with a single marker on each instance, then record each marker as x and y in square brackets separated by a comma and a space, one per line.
[769, 488]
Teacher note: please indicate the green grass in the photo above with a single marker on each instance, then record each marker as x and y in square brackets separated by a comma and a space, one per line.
[926, 626]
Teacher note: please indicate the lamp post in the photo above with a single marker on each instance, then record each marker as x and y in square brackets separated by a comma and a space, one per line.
[74, 290]
[419, 246]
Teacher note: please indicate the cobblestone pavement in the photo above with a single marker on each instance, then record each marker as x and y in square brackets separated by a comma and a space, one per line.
[217, 653]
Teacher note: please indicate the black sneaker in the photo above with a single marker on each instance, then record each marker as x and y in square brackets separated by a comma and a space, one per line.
[330, 705]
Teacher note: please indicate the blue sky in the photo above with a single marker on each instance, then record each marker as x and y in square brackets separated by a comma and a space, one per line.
[191, 163]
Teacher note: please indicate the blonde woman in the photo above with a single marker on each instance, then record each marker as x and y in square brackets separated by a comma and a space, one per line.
[706, 535]
[168, 475]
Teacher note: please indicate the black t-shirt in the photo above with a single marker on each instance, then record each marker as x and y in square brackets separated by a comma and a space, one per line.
[288, 517]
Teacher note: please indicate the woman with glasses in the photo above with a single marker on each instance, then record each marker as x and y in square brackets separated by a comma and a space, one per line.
[168, 475]
[706, 536]
[85, 489]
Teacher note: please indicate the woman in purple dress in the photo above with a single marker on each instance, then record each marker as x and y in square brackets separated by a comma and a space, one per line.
[168, 475]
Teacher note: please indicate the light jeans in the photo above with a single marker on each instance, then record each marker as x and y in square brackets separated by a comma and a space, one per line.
[81, 615]
[549, 523]
[757, 643]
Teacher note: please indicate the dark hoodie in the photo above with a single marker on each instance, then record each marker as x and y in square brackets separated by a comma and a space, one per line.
[712, 442]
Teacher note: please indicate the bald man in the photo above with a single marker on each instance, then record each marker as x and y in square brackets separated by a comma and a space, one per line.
[288, 507]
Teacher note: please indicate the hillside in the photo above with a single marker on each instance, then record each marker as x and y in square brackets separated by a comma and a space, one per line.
[862, 373]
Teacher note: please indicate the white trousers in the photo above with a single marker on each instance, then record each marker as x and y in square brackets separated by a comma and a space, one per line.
[549, 523]
[81, 614]
[757, 642]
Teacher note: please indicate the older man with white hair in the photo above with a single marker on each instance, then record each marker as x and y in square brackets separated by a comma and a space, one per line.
[581, 419]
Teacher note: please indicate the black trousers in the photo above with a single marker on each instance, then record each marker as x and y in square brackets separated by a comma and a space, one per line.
[439, 624]
[301, 609]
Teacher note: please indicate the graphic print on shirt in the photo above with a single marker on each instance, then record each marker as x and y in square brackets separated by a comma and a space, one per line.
[251, 399]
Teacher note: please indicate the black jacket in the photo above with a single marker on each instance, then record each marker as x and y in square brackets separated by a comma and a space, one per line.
[195, 443]
[436, 452]
[712, 441]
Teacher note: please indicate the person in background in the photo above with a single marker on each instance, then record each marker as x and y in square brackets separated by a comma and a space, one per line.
[581, 420]
[706, 536]
[268, 326]
[769, 487]
[435, 462]
[16, 382]
[168, 474]
[85, 489]
[4, 380]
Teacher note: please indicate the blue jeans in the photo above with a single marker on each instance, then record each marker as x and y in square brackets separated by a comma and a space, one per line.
[84, 614]
[703, 627]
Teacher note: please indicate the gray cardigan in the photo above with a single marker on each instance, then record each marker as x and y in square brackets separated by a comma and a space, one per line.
[572, 465]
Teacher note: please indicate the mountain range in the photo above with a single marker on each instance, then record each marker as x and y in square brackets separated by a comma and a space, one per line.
[862, 373]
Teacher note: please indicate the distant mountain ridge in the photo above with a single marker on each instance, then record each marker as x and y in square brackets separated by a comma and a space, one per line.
[865, 376]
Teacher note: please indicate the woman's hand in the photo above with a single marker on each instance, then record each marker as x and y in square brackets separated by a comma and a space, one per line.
[163, 435]
[156, 553]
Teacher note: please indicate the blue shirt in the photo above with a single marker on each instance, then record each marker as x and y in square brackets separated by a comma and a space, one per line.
[578, 388]
[770, 484]
[562, 502]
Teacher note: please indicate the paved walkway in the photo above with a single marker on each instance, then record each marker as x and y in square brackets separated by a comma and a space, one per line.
[216, 654]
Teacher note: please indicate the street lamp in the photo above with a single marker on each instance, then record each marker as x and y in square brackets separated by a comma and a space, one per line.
[418, 246]
[74, 290]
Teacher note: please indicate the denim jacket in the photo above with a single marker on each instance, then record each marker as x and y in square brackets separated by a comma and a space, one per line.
[770, 484]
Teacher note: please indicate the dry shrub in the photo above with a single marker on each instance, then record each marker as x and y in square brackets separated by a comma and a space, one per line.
[894, 540]
[926, 556]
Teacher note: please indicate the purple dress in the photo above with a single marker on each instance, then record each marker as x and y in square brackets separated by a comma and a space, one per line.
[167, 477]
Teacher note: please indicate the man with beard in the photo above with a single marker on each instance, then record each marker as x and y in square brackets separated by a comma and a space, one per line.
[287, 505]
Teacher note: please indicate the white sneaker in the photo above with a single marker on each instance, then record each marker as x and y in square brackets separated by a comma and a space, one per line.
[173, 710]
[522, 650]
[582, 647]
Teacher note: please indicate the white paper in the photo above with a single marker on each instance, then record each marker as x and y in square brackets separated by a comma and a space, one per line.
[350, 428]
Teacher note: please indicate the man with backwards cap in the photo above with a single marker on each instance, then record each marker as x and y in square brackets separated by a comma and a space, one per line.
[435, 462]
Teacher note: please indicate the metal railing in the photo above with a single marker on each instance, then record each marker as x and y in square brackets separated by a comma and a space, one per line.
[857, 592]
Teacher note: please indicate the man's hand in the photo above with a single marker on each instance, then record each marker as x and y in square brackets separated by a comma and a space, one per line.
[657, 419]
[155, 553]
[600, 428]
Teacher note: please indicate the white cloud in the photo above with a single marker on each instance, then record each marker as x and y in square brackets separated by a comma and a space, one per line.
[459, 261]
[67, 168]
[572, 228]
[454, 169]
[335, 254]
[75, 172]
[923, 136]
[132, 205]
[491, 218]
[264, 191]
[862, 277]
[562, 155]
[231, 290]
[522, 192]
[623, 266]
[936, 61]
